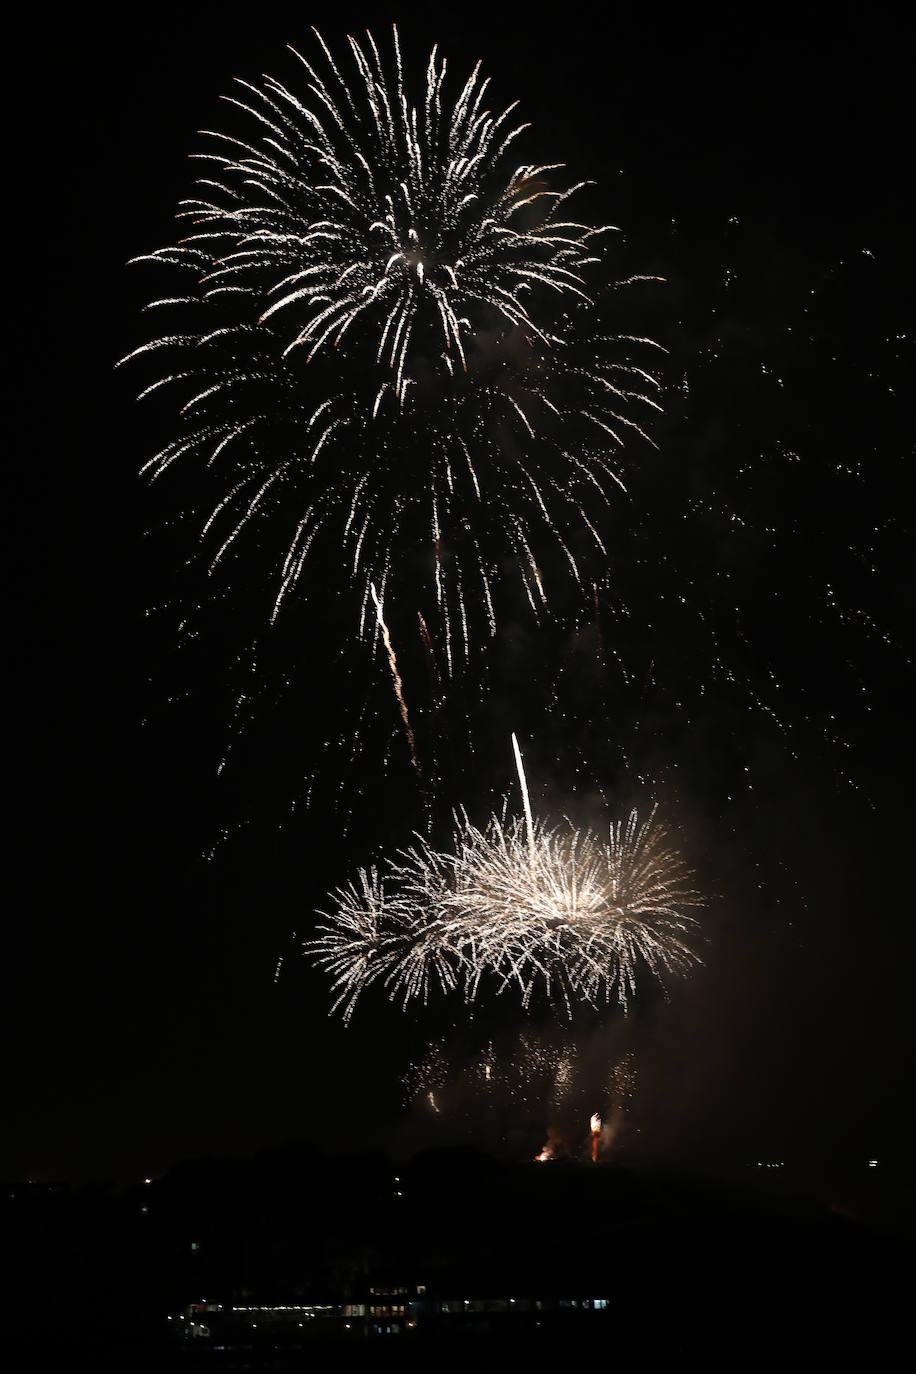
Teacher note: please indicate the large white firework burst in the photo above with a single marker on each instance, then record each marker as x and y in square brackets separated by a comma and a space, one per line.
[517, 905]
[389, 340]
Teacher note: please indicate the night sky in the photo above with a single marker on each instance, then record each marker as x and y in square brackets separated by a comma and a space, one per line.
[756, 161]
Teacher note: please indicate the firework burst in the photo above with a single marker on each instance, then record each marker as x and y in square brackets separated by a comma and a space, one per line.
[514, 906]
[388, 345]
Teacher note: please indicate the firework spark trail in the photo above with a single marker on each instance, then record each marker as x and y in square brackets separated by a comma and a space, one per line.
[360, 275]
[396, 679]
[576, 924]
[525, 800]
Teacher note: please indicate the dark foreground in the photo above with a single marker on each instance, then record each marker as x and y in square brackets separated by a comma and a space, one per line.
[291, 1261]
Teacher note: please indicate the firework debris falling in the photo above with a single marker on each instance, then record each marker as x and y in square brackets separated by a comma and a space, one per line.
[529, 1070]
[503, 1089]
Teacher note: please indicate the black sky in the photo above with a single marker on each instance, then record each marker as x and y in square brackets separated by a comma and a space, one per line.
[144, 1022]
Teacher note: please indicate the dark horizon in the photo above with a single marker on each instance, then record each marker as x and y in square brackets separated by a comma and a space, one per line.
[292, 1256]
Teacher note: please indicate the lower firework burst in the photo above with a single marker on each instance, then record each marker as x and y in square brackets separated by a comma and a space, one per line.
[515, 906]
